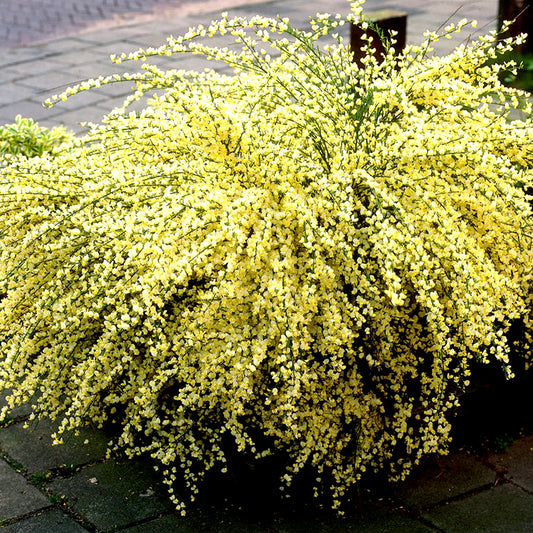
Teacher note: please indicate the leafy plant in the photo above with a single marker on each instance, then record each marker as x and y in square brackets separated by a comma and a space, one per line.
[56, 499]
[40, 478]
[303, 259]
[19, 467]
[487, 444]
[26, 137]
[67, 468]
[7, 421]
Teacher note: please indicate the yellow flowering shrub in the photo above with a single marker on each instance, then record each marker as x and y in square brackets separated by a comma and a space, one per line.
[302, 259]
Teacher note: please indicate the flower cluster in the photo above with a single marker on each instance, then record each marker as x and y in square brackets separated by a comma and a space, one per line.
[303, 258]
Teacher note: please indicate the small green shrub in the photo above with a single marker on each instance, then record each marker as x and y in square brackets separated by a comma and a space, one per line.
[26, 137]
[56, 499]
[303, 259]
[40, 478]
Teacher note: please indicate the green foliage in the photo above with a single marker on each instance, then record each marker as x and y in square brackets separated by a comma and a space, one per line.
[19, 467]
[40, 478]
[304, 259]
[67, 469]
[57, 499]
[26, 137]
[7, 421]
[520, 77]
[493, 443]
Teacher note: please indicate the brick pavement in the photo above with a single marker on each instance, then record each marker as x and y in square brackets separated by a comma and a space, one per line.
[24, 22]
[28, 21]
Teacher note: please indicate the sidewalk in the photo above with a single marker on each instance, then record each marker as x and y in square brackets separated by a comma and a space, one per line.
[74, 488]
[31, 74]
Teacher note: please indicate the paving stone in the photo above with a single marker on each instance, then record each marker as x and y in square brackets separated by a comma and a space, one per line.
[114, 495]
[15, 56]
[17, 92]
[518, 460]
[102, 66]
[211, 523]
[165, 524]
[36, 66]
[17, 496]
[108, 105]
[48, 522]
[65, 44]
[113, 36]
[33, 448]
[442, 479]
[50, 82]
[25, 22]
[94, 113]
[505, 508]
[172, 26]
[27, 109]
[374, 520]
[196, 63]
[83, 58]
[10, 74]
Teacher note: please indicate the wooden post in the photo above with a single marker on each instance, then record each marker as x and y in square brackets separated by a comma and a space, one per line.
[386, 20]
[522, 11]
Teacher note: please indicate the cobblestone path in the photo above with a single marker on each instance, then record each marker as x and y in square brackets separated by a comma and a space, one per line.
[30, 21]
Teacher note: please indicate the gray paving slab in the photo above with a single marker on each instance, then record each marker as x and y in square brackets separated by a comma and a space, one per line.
[211, 523]
[165, 524]
[518, 462]
[17, 496]
[373, 520]
[92, 55]
[52, 81]
[26, 21]
[33, 448]
[18, 92]
[34, 67]
[502, 509]
[440, 479]
[65, 44]
[116, 36]
[14, 56]
[27, 108]
[114, 495]
[48, 522]
[9, 74]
